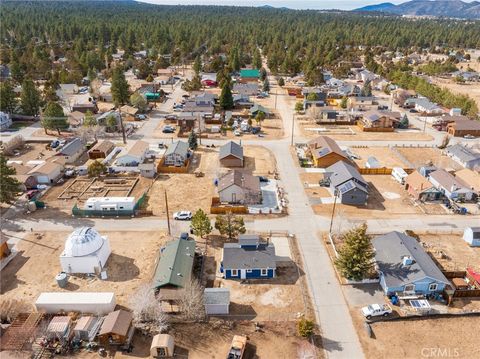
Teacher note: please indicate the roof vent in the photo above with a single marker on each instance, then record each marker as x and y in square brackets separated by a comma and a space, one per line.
[407, 260]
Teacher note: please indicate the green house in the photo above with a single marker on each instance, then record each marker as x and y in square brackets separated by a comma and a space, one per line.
[249, 74]
[174, 267]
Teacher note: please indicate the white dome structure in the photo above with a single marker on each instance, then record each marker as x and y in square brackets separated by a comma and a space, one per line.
[86, 251]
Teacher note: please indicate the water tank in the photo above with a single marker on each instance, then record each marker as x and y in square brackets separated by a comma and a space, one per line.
[62, 279]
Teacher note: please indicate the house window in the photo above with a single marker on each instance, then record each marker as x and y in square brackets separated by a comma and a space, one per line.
[263, 272]
[409, 288]
[433, 287]
[249, 271]
[121, 207]
[234, 272]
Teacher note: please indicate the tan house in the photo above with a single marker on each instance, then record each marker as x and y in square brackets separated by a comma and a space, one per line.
[464, 127]
[239, 187]
[135, 155]
[231, 155]
[376, 119]
[470, 178]
[325, 152]
[117, 328]
[101, 150]
[129, 112]
[420, 188]
[47, 173]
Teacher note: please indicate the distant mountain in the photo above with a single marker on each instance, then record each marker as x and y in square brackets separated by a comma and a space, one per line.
[443, 8]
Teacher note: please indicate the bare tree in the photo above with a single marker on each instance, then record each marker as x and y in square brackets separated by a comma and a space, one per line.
[147, 310]
[15, 143]
[314, 113]
[191, 302]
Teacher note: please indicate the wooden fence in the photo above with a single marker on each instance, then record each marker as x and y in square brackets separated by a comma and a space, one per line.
[218, 208]
[381, 171]
[374, 129]
[161, 168]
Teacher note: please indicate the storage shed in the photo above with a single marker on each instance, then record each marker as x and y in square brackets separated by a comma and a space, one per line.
[231, 155]
[117, 328]
[216, 301]
[471, 235]
[59, 328]
[162, 346]
[83, 302]
[86, 251]
[83, 327]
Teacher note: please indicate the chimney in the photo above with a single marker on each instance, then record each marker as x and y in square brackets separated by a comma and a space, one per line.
[406, 261]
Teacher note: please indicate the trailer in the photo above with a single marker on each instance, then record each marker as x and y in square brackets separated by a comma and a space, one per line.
[99, 303]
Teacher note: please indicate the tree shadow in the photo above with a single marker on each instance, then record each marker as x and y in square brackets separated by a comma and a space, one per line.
[121, 268]
[371, 289]
[329, 345]
[241, 311]
[9, 280]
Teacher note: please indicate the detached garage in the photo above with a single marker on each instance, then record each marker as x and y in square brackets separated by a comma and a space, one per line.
[47, 173]
[217, 301]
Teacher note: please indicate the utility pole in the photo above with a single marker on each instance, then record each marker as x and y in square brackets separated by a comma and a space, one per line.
[199, 130]
[168, 215]
[335, 194]
[293, 128]
[122, 127]
[276, 99]
[424, 123]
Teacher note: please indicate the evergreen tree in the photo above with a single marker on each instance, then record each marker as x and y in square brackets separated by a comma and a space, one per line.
[230, 225]
[356, 256]
[197, 65]
[263, 74]
[137, 100]
[120, 87]
[281, 82]
[8, 100]
[30, 98]
[9, 186]
[54, 118]
[344, 102]
[201, 225]
[257, 59]
[366, 89]
[266, 85]
[192, 140]
[226, 97]
[89, 120]
[96, 168]
[298, 107]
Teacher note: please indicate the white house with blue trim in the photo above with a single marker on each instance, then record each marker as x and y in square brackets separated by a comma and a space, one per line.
[405, 268]
[248, 259]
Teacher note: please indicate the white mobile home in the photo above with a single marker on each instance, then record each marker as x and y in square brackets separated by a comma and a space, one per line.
[110, 204]
[84, 302]
[399, 174]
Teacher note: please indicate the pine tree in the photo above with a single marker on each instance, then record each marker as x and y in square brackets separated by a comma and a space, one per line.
[9, 186]
[120, 87]
[344, 102]
[30, 98]
[266, 85]
[257, 59]
[54, 118]
[89, 120]
[230, 225]
[263, 74]
[281, 82]
[298, 107]
[192, 140]
[197, 65]
[201, 225]
[8, 101]
[96, 168]
[356, 256]
[226, 97]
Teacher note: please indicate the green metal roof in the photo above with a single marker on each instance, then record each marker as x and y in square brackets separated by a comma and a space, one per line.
[255, 108]
[175, 264]
[249, 73]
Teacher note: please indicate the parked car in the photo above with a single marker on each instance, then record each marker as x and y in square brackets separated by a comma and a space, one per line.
[32, 193]
[413, 110]
[376, 310]
[168, 129]
[141, 117]
[171, 117]
[256, 130]
[237, 133]
[182, 215]
[263, 179]
[469, 137]
[184, 235]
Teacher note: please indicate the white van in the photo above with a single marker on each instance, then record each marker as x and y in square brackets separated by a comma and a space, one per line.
[399, 175]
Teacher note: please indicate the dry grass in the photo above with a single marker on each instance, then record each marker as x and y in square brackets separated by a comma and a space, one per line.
[422, 156]
[471, 89]
[34, 268]
[384, 155]
[33, 151]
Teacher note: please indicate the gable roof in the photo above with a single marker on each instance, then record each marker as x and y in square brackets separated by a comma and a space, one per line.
[323, 146]
[138, 149]
[241, 179]
[175, 264]
[463, 153]
[390, 249]
[465, 124]
[376, 115]
[418, 182]
[231, 148]
[256, 107]
[104, 146]
[351, 185]
[250, 73]
[117, 322]
[470, 178]
[178, 147]
[446, 180]
[46, 168]
[216, 296]
[341, 172]
[72, 147]
[236, 257]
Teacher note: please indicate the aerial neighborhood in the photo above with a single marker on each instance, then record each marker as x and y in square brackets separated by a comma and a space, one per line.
[239, 182]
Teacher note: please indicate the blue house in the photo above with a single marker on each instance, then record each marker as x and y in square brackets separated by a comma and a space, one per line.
[405, 268]
[248, 259]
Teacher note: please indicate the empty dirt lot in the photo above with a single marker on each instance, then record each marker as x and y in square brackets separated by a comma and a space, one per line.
[384, 155]
[421, 156]
[423, 338]
[33, 151]
[33, 270]
[471, 89]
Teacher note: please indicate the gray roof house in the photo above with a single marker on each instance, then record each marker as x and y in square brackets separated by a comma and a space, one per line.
[248, 89]
[73, 150]
[216, 301]
[176, 154]
[231, 155]
[404, 266]
[239, 187]
[464, 156]
[451, 186]
[347, 183]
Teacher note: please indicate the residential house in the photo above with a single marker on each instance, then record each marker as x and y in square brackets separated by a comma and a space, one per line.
[471, 235]
[27, 181]
[239, 187]
[174, 266]
[333, 116]
[117, 328]
[101, 150]
[464, 127]
[405, 268]
[441, 123]
[135, 155]
[249, 75]
[426, 107]
[453, 188]
[248, 259]
[209, 79]
[360, 103]
[380, 120]
[85, 107]
[470, 178]
[216, 301]
[102, 120]
[325, 152]
[256, 108]
[365, 76]
[176, 154]
[334, 82]
[347, 183]
[420, 188]
[231, 155]
[129, 112]
[5, 121]
[246, 89]
[147, 169]
[47, 173]
[75, 119]
[309, 93]
[467, 157]
[400, 96]
[202, 103]
[241, 101]
[73, 150]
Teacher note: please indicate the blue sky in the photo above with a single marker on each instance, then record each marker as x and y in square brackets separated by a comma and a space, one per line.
[302, 4]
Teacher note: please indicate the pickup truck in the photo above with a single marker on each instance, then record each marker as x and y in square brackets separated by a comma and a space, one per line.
[237, 348]
[376, 310]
